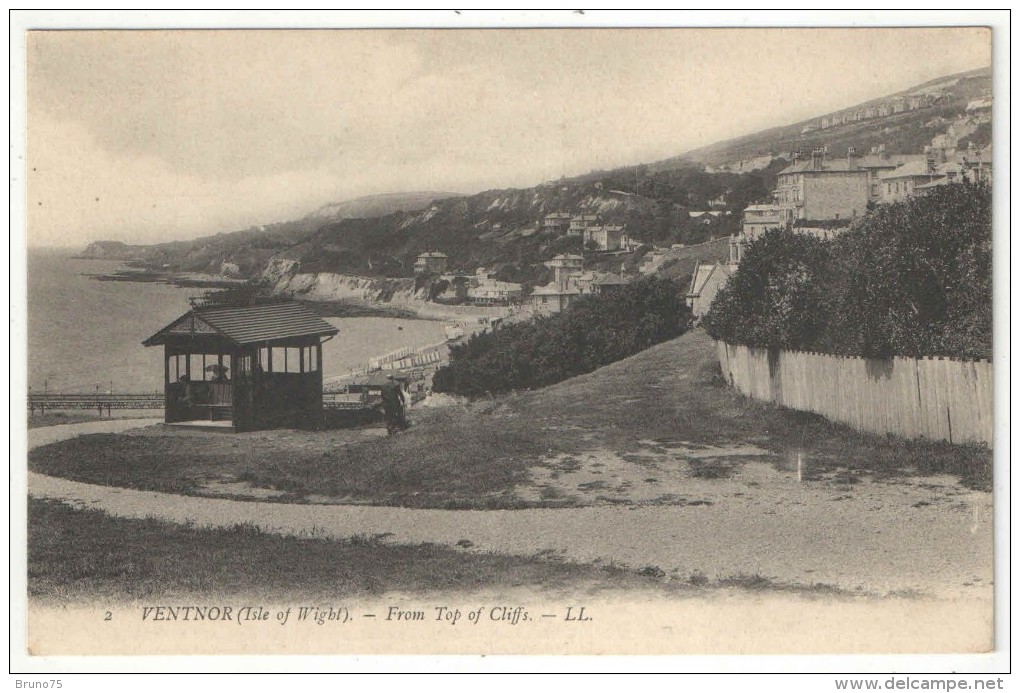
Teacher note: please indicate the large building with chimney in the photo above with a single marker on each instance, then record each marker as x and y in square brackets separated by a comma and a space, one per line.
[818, 188]
[827, 189]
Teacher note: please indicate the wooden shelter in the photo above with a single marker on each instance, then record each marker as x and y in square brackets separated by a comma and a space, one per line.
[244, 367]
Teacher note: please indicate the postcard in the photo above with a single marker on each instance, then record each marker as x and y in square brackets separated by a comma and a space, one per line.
[469, 339]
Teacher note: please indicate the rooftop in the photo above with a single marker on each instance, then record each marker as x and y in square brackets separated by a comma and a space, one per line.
[611, 280]
[703, 272]
[886, 161]
[493, 285]
[553, 290]
[247, 324]
[908, 170]
[833, 165]
[938, 182]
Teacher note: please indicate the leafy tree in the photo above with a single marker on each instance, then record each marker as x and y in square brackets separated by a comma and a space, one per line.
[565, 244]
[594, 331]
[915, 277]
[776, 297]
[911, 279]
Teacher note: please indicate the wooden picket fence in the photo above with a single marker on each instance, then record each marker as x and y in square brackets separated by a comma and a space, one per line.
[933, 398]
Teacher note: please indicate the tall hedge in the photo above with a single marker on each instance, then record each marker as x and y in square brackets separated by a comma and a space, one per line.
[911, 279]
[593, 331]
[777, 297]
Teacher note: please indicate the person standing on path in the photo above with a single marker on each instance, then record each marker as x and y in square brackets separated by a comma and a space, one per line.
[393, 405]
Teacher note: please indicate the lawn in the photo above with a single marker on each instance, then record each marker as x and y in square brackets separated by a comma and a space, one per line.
[76, 555]
[59, 418]
[480, 455]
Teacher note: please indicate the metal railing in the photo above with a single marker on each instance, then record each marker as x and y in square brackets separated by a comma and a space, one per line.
[107, 401]
[41, 401]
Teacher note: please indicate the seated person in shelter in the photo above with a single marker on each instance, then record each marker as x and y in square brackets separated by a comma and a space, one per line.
[190, 395]
[219, 373]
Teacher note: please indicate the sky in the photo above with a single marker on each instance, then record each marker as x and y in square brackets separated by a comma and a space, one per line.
[146, 136]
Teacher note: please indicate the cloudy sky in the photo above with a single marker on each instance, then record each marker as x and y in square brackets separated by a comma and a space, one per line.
[146, 136]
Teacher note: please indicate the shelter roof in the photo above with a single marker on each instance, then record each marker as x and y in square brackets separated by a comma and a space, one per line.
[250, 324]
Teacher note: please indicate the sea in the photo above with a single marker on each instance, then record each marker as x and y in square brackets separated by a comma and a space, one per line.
[85, 334]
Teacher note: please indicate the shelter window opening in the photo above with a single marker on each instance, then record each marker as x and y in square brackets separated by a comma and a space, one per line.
[212, 368]
[310, 358]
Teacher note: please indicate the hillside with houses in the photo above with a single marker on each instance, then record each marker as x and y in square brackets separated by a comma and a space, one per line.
[956, 106]
[822, 195]
[543, 245]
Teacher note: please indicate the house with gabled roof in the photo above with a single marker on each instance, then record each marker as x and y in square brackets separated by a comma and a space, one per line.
[557, 222]
[901, 182]
[608, 283]
[552, 298]
[706, 282]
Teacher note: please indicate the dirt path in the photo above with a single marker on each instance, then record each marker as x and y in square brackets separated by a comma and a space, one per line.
[852, 546]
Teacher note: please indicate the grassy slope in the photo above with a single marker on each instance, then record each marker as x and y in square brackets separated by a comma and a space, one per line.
[473, 456]
[901, 133]
[380, 205]
[76, 554]
[681, 262]
[59, 418]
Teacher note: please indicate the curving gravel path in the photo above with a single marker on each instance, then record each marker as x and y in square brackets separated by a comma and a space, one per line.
[45, 435]
[876, 549]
